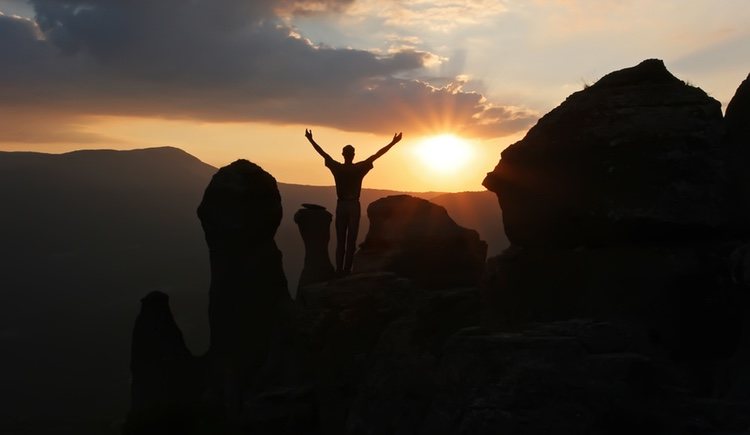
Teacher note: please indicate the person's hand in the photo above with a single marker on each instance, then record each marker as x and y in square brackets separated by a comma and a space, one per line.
[308, 134]
[396, 138]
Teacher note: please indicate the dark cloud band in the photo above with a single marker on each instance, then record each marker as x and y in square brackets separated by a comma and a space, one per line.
[221, 60]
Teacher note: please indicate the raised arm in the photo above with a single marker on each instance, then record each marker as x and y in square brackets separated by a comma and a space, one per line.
[377, 155]
[309, 136]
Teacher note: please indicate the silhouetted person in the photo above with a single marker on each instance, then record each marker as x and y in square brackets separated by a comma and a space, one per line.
[348, 177]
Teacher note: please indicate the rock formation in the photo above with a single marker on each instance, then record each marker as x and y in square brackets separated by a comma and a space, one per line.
[249, 316]
[636, 156]
[375, 337]
[240, 212]
[166, 379]
[617, 313]
[620, 206]
[314, 224]
[417, 239]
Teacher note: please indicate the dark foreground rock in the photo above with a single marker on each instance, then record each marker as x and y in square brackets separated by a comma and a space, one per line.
[376, 340]
[572, 377]
[679, 299]
[166, 378]
[417, 239]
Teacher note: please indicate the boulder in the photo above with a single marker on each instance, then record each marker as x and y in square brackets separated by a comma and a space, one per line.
[636, 156]
[314, 224]
[415, 238]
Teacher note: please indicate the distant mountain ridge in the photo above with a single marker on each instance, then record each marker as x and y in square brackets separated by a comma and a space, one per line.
[86, 233]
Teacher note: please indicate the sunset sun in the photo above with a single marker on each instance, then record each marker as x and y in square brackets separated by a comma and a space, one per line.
[444, 153]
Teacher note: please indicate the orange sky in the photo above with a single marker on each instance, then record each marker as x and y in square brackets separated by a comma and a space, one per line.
[227, 79]
[286, 154]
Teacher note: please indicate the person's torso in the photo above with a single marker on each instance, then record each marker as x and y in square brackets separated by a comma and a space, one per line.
[348, 178]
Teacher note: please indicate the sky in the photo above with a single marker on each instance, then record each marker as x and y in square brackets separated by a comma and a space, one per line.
[229, 79]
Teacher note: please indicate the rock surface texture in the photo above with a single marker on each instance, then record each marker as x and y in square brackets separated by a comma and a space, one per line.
[416, 239]
[636, 156]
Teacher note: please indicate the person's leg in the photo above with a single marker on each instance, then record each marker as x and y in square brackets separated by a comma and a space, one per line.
[351, 236]
[341, 224]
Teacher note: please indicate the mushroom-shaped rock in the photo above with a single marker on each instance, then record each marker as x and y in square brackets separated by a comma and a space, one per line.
[415, 238]
[240, 212]
[635, 156]
[314, 224]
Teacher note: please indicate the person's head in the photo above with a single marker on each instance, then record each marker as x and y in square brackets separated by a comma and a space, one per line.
[348, 153]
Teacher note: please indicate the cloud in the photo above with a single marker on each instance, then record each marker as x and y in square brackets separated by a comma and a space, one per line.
[219, 60]
[290, 8]
[436, 15]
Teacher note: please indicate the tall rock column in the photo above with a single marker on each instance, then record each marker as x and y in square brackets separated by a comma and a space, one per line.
[165, 377]
[314, 224]
[240, 213]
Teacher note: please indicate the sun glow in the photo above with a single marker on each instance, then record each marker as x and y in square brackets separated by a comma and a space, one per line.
[444, 153]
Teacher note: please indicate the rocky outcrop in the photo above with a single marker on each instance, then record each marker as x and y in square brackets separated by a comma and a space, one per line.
[596, 320]
[376, 338]
[314, 224]
[393, 358]
[636, 156]
[572, 377]
[166, 378]
[415, 238]
[621, 206]
[678, 299]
